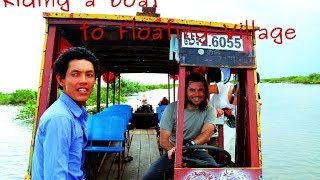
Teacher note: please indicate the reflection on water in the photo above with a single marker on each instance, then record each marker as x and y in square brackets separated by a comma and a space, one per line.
[290, 132]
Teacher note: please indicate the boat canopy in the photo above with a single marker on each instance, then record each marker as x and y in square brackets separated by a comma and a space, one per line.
[146, 44]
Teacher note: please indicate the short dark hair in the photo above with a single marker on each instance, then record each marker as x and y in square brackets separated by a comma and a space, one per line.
[62, 62]
[194, 77]
[214, 75]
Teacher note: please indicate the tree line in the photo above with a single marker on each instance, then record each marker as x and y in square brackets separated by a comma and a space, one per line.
[28, 98]
[313, 78]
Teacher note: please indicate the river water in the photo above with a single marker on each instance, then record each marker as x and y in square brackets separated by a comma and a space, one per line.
[15, 141]
[290, 133]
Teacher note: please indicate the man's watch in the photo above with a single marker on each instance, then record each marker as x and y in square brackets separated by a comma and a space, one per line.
[193, 143]
[189, 143]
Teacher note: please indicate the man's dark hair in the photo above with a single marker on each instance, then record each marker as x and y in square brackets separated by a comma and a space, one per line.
[197, 78]
[214, 74]
[62, 62]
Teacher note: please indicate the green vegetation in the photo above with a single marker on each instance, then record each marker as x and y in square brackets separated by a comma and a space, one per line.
[127, 87]
[22, 97]
[18, 98]
[28, 98]
[313, 78]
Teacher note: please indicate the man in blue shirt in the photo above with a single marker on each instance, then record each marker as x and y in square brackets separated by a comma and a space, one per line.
[62, 134]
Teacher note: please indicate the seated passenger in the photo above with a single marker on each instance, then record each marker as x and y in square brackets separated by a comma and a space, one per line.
[164, 101]
[224, 101]
[145, 107]
[223, 98]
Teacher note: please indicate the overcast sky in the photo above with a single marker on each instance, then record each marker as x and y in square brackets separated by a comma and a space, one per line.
[22, 32]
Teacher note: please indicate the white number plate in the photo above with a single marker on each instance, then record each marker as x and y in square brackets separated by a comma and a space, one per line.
[222, 42]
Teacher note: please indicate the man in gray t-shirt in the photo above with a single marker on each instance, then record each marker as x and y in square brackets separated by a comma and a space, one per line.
[199, 119]
[194, 120]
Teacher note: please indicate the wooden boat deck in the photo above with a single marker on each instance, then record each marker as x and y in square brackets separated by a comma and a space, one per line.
[144, 150]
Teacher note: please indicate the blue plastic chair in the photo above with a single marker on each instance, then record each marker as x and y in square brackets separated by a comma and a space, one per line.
[108, 129]
[122, 109]
[160, 111]
[226, 74]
